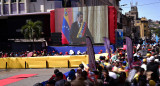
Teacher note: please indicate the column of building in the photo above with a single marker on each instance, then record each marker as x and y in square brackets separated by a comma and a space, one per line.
[9, 6]
[26, 5]
[1, 7]
[17, 4]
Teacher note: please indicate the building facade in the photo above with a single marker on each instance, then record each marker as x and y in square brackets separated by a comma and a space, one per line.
[134, 29]
[14, 13]
[144, 28]
[11, 7]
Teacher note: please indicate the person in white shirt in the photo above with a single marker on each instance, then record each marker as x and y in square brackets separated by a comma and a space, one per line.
[144, 65]
[111, 73]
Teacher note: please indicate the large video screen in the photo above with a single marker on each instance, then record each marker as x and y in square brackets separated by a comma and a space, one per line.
[78, 22]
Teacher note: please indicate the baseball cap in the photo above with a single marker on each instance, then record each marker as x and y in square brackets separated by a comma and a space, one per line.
[151, 58]
[144, 60]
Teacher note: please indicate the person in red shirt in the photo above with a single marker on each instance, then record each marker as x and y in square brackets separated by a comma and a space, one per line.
[66, 53]
[54, 75]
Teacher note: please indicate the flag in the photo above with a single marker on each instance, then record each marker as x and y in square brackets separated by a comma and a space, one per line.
[91, 54]
[65, 28]
[129, 51]
[157, 38]
[107, 46]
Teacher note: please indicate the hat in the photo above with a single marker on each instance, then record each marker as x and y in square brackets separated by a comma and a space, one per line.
[152, 83]
[71, 52]
[115, 69]
[151, 58]
[156, 60]
[60, 53]
[78, 52]
[148, 54]
[124, 62]
[144, 60]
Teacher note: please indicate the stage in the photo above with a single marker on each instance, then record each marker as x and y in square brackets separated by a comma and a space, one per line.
[76, 48]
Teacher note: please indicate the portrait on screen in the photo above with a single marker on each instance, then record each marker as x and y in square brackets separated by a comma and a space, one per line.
[79, 30]
[78, 22]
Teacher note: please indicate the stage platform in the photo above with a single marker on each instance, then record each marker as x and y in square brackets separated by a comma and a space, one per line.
[76, 48]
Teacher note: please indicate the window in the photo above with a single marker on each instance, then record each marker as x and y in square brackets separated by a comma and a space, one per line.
[5, 1]
[12, 1]
[0, 1]
[21, 0]
[33, 0]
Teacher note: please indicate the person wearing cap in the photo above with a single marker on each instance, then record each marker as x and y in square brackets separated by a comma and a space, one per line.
[153, 67]
[53, 52]
[60, 53]
[111, 73]
[101, 51]
[66, 53]
[71, 52]
[144, 65]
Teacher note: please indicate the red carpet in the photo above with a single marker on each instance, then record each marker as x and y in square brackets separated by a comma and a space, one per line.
[15, 79]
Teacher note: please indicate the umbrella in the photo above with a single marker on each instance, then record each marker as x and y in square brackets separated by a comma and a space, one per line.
[29, 54]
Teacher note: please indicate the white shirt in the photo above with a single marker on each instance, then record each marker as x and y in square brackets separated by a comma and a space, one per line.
[144, 66]
[113, 75]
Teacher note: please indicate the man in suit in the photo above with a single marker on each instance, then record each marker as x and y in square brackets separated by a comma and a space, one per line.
[79, 31]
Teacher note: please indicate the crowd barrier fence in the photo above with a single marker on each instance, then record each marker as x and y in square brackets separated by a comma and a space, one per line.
[65, 61]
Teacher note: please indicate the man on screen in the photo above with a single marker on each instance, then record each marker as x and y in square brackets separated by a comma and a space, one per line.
[79, 31]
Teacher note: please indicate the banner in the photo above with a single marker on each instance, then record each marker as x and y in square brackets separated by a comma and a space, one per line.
[107, 46]
[129, 51]
[119, 38]
[91, 54]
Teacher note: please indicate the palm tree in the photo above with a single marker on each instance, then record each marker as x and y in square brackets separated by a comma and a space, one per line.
[32, 30]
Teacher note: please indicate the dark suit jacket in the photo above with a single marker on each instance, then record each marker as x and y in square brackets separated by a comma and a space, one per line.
[73, 34]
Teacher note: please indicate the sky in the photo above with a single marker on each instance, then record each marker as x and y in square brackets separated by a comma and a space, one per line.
[146, 8]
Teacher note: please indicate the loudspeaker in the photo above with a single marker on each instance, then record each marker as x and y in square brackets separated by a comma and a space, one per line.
[56, 38]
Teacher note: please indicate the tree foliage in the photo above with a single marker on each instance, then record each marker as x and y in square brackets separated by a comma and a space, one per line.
[156, 31]
[32, 29]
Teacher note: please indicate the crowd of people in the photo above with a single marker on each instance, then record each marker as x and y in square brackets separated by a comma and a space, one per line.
[38, 53]
[142, 70]
[115, 71]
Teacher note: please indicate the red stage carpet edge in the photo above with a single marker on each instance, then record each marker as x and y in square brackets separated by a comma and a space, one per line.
[15, 79]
